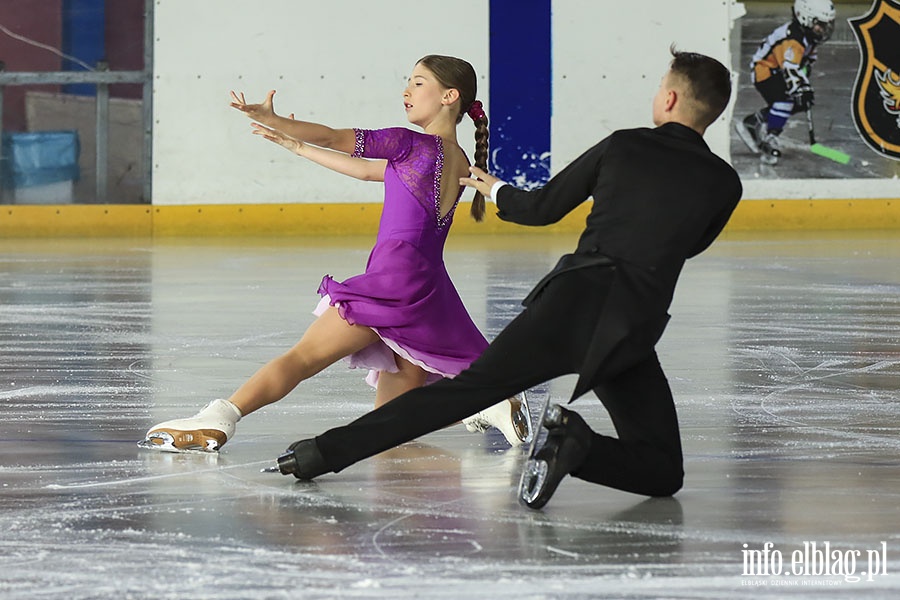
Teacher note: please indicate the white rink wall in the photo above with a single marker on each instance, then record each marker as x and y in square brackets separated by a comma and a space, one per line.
[345, 63]
[607, 65]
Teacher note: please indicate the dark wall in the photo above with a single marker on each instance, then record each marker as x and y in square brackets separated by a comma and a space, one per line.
[38, 21]
[43, 22]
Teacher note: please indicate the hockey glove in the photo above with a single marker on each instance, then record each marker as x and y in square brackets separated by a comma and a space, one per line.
[803, 98]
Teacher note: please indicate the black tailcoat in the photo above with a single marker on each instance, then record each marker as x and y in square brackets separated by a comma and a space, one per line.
[660, 197]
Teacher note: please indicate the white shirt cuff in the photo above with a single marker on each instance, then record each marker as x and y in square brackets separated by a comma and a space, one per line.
[494, 189]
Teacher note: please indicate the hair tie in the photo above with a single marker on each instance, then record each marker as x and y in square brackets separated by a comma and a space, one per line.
[476, 110]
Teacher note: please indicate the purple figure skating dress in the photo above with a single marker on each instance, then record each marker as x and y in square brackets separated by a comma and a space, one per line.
[406, 295]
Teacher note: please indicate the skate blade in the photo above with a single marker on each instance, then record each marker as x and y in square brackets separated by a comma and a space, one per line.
[533, 477]
[521, 420]
[516, 429]
[202, 441]
[744, 135]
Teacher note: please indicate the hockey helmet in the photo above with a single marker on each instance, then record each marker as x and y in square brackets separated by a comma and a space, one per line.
[816, 17]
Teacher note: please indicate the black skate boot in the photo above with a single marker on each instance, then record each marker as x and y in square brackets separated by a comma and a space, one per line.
[563, 452]
[302, 460]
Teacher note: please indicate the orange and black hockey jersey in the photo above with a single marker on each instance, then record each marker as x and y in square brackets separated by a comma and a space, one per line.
[785, 50]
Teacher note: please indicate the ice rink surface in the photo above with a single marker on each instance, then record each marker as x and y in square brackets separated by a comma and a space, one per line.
[783, 355]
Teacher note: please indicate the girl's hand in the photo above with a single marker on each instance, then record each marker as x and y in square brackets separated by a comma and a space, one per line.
[279, 137]
[257, 112]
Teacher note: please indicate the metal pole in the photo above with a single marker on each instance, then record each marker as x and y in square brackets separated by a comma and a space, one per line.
[102, 166]
[148, 102]
[102, 78]
[2, 158]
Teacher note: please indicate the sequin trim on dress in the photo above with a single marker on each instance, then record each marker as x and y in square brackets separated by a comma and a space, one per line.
[438, 173]
[360, 146]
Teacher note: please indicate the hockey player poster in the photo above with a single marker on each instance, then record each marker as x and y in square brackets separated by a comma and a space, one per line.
[809, 91]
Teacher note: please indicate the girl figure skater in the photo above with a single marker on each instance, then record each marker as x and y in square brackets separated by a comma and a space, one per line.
[402, 319]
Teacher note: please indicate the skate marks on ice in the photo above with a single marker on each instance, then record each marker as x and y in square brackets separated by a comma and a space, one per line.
[828, 389]
[230, 532]
[440, 518]
[813, 427]
[151, 478]
[837, 393]
[774, 406]
[784, 428]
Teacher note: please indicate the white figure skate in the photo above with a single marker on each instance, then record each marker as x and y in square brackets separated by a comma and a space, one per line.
[511, 417]
[205, 432]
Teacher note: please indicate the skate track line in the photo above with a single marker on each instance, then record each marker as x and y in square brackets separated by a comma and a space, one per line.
[780, 391]
[133, 480]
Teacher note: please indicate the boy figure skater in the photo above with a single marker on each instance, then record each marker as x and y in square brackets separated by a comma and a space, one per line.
[780, 73]
[660, 197]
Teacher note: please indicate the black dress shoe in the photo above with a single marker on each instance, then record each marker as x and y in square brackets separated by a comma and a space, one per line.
[303, 460]
[564, 451]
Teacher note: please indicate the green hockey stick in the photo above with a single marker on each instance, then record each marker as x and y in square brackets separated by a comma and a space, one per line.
[816, 148]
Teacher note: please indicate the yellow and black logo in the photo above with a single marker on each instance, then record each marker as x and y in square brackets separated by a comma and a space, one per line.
[876, 95]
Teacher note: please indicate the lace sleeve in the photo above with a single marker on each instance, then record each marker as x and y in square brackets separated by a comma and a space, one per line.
[394, 144]
[416, 158]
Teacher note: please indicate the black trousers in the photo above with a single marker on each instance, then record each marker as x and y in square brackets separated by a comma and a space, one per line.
[546, 340]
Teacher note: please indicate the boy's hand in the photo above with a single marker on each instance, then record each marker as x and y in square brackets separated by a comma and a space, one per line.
[480, 180]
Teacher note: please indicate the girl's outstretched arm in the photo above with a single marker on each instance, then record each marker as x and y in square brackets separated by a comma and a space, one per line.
[342, 140]
[360, 168]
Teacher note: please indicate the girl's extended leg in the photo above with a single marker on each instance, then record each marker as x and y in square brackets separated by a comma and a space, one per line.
[329, 339]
